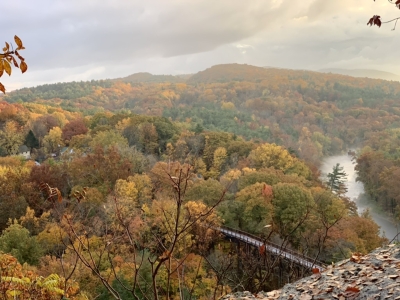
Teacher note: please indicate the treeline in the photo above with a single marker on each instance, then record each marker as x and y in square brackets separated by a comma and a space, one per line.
[379, 169]
[125, 205]
[312, 114]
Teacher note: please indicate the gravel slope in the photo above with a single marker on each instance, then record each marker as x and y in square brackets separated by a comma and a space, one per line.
[370, 277]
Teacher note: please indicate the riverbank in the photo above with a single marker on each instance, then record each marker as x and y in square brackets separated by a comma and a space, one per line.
[356, 192]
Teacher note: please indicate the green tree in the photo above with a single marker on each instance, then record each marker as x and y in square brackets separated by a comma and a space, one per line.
[31, 141]
[198, 129]
[337, 180]
[17, 241]
[292, 205]
[207, 191]
[257, 209]
[107, 139]
[269, 176]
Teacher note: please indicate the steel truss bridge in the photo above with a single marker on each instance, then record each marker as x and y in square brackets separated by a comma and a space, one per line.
[288, 254]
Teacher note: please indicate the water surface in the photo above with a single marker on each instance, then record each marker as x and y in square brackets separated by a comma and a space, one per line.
[356, 193]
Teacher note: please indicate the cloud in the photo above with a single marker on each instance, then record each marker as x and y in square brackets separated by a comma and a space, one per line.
[81, 32]
[85, 39]
[243, 48]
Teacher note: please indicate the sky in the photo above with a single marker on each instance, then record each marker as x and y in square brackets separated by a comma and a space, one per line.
[73, 40]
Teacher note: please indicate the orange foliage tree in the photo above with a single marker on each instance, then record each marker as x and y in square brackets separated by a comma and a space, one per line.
[16, 282]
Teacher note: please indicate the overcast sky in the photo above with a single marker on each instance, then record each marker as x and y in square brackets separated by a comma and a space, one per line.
[70, 40]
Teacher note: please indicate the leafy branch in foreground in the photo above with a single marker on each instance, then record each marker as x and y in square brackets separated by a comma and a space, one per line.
[9, 56]
[376, 20]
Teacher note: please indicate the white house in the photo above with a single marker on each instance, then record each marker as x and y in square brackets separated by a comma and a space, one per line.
[24, 151]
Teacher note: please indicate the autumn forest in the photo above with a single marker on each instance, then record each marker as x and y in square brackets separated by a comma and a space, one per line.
[114, 189]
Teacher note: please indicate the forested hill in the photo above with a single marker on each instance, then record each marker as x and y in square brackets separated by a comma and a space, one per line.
[314, 114]
[123, 178]
[145, 77]
[229, 72]
[240, 72]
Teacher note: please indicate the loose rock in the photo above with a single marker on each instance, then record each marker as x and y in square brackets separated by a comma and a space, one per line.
[373, 276]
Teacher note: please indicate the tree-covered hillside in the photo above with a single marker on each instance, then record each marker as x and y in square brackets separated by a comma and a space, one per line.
[123, 205]
[314, 114]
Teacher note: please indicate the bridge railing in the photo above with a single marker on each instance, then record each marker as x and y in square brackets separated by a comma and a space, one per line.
[249, 238]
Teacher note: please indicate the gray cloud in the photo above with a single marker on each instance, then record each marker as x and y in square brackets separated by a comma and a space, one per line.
[85, 39]
[88, 31]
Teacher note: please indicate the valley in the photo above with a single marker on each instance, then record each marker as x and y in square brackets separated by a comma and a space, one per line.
[123, 180]
[356, 192]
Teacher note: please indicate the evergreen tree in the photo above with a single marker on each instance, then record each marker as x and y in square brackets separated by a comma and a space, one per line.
[31, 141]
[337, 180]
[198, 129]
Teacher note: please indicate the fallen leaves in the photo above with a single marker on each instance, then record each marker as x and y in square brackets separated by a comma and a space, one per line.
[356, 257]
[372, 276]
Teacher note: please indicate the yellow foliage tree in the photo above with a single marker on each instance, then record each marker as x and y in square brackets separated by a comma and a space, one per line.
[10, 138]
[219, 160]
[127, 193]
[53, 141]
[271, 155]
[143, 186]
[126, 189]
[228, 106]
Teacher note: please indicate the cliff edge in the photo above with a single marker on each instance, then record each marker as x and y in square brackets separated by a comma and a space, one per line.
[370, 277]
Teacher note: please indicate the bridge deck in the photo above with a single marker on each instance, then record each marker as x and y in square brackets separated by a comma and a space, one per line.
[273, 248]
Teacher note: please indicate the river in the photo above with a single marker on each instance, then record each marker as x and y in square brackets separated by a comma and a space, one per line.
[356, 193]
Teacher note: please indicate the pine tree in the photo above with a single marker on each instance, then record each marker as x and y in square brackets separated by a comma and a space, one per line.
[31, 141]
[337, 180]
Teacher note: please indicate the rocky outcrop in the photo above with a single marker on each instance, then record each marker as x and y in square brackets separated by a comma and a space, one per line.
[369, 277]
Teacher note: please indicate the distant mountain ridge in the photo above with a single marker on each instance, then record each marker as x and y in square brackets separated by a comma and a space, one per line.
[369, 73]
[244, 72]
[229, 72]
[148, 77]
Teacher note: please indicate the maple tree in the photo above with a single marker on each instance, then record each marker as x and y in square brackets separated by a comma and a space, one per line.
[9, 56]
[73, 128]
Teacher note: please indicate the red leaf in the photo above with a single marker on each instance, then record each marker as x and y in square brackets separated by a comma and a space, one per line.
[375, 20]
[352, 289]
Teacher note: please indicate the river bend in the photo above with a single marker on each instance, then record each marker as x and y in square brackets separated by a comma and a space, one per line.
[356, 193]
